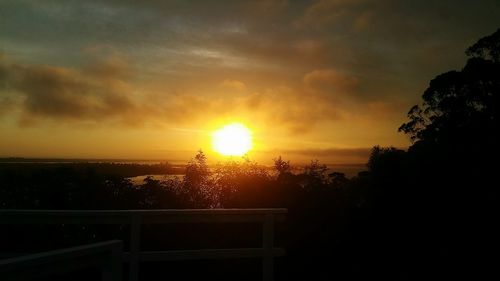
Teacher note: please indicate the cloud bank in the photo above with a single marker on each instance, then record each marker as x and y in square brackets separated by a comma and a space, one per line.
[105, 90]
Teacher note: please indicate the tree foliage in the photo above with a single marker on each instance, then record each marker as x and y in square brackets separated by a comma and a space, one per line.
[461, 106]
[197, 188]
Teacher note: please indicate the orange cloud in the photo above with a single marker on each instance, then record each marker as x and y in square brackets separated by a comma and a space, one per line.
[330, 81]
[104, 91]
[292, 109]
[233, 85]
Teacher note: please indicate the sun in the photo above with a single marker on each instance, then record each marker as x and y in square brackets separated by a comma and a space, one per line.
[232, 140]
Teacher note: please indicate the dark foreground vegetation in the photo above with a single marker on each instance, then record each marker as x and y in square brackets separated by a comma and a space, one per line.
[427, 213]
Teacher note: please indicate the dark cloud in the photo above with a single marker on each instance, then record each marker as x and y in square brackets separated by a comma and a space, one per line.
[68, 94]
[361, 36]
[327, 12]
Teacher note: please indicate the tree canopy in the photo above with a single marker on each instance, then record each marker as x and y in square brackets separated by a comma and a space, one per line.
[461, 106]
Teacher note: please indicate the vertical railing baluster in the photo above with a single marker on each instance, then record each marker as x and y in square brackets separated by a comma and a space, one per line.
[267, 243]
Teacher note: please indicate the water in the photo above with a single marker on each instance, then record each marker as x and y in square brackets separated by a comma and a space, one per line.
[139, 180]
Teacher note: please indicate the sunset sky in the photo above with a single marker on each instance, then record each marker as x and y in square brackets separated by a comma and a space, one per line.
[323, 80]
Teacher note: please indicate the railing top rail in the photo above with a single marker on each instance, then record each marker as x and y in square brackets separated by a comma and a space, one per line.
[175, 212]
[146, 216]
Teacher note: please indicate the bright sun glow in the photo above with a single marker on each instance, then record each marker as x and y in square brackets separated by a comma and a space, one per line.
[232, 140]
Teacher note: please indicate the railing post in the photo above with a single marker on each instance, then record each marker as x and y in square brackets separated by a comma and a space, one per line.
[135, 246]
[112, 270]
[267, 243]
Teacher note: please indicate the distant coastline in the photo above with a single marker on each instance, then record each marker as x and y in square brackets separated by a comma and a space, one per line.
[88, 160]
[144, 167]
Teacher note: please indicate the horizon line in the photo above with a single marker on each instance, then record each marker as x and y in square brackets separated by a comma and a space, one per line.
[83, 159]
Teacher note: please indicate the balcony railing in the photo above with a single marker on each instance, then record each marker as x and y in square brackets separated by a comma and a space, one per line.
[136, 218]
[107, 255]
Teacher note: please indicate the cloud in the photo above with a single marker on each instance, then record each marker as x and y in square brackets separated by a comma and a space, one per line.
[284, 108]
[293, 109]
[96, 92]
[106, 90]
[233, 85]
[363, 21]
[327, 12]
[114, 67]
[6, 105]
[330, 81]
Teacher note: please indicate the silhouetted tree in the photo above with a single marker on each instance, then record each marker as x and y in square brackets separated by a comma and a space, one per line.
[315, 175]
[197, 184]
[461, 107]
[338, 180]
[452, 163]
[455, 129]
[282, 167]
[486, 48]
[243, 184]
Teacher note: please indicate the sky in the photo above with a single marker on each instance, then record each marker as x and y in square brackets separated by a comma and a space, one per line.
[152, 79]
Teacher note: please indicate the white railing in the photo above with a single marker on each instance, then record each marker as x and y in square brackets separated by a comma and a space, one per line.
[267, 217]
[107, 255]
